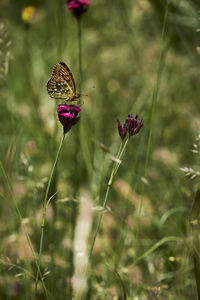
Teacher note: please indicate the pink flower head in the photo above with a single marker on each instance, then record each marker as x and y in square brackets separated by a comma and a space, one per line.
[68, 115]
[131, 126]
[78, 7]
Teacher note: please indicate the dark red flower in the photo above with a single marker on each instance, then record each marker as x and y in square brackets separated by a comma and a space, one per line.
[78, 7]
[131, 126]
[122, 130]
[68, 115]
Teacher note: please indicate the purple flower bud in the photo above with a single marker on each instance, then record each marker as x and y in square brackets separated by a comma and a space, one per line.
[122, 130]
[68, 115]
[78, 7]
[131, 125]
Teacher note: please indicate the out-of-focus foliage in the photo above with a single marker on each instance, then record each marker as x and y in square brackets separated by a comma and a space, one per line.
[183, 19]
[121, 51]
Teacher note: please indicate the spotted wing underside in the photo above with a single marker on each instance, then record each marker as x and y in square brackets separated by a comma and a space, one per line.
[61, 84]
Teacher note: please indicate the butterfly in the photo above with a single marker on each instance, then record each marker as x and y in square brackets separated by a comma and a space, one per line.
[61, 85]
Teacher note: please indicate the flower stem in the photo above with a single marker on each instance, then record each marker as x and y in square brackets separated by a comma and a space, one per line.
[45, 204]
[112, 175]
[23, 226]
[99, 221]
[80, 55]
[193, 219]
[60, 20]
[116, 166]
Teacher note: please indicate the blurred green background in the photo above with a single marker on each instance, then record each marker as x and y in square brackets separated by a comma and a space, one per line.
[125, 56]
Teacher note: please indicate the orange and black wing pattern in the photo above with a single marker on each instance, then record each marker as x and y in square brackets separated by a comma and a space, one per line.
[61, 84]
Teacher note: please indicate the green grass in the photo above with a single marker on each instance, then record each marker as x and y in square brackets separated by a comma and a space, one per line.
[138, 64]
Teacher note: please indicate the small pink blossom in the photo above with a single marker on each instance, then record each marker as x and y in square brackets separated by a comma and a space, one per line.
[68, 115]
[78, 7]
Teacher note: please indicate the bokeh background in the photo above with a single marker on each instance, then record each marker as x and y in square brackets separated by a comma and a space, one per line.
[135, 67]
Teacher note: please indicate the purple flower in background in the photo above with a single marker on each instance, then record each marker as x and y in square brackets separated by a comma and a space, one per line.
[131, 126]
[122, 130]
[78, 7]
[68, 115]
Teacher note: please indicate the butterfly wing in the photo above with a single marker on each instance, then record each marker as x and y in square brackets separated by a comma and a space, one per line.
[57, 88]
[61, 85]
[67, 74]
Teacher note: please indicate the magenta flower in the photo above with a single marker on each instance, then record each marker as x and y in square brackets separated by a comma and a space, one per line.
[131, 126]
[78, 7]
[68, 115]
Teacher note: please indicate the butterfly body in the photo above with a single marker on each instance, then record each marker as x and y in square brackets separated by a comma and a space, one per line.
[61, 85]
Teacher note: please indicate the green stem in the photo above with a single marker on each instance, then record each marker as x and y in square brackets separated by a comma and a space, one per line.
[80, 54]
[115, 165]
[113, 173]
[24, 229]
[60, 20]
[194, 222]
[99, 221]
[45, 204]
[122, 149]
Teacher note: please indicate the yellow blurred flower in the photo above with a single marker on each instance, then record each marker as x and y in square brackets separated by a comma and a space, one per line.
[28, 13]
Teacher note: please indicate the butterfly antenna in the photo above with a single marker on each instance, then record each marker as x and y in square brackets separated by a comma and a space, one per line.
[92, 87]
[84, 95]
